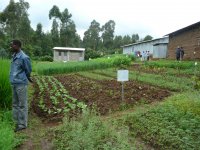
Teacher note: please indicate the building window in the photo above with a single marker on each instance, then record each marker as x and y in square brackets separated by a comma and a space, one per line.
[65, 53]
[59, 53]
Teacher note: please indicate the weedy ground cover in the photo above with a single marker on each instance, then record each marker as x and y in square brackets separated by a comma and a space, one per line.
[89, 132]
[173, 124]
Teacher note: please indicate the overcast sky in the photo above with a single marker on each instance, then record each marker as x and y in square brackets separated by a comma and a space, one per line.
[154, 17]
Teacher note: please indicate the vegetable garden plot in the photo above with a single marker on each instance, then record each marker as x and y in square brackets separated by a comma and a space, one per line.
[52, 100]
[106, 94]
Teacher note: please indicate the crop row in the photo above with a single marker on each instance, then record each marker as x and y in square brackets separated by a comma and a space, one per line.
[100, 63]
[173, 64]
[53, 97]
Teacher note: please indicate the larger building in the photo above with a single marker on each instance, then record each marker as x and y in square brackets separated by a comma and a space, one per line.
[188, 38]
[157, 47]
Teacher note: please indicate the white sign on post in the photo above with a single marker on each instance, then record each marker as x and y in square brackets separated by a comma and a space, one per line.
[122, 75]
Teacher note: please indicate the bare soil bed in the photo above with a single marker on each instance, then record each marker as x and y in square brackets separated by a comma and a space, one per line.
[106, 94]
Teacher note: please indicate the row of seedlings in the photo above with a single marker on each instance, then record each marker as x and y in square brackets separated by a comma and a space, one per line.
[61, 101]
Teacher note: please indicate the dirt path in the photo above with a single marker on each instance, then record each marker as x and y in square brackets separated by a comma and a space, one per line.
[38, 134]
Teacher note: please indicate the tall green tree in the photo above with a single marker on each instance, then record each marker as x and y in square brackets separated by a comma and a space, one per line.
[38, 37]
[54, 12]
[147, 37]
[135, 38]
[38, 40]
[55, 33]
[68, 35]
[127, 40]
[108, 34]
[15, 21]
[47, 44]
[15, 24]
[92, 35]
[118, 42]
[9, 19]
[24, 30]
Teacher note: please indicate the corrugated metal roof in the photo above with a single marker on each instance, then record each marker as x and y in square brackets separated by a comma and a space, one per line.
[160, 44]
[185, 28]
[68, 49]
[143, 42]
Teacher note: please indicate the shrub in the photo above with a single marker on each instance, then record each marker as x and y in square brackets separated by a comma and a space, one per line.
[89, 53]
[89, 132]
[133, 58]
[46, 58]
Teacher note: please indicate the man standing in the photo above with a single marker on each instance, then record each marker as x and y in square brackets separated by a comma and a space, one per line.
[148, 55]
[181, 53]
[178, 50]
[19, 77]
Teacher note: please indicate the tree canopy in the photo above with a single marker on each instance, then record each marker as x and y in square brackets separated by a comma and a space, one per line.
[98, 39]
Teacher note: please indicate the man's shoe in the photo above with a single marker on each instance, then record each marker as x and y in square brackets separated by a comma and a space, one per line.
[17, 129]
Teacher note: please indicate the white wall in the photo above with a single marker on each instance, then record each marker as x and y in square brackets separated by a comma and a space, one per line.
[145, 46]
[160, 51]
[70, 55]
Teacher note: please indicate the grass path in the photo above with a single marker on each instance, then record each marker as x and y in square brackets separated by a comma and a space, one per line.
[36, 138]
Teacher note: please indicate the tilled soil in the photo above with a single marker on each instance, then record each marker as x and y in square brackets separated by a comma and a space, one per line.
[41, 113]
[106, 94]
[45, 116]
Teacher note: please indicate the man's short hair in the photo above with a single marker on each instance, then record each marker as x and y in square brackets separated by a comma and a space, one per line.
[17, 42]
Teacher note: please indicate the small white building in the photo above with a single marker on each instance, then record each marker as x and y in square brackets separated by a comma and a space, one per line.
[68, 54]
[157, 47]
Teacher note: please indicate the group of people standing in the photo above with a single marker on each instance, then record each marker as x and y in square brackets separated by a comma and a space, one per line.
[179, 53]
[145, 56]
